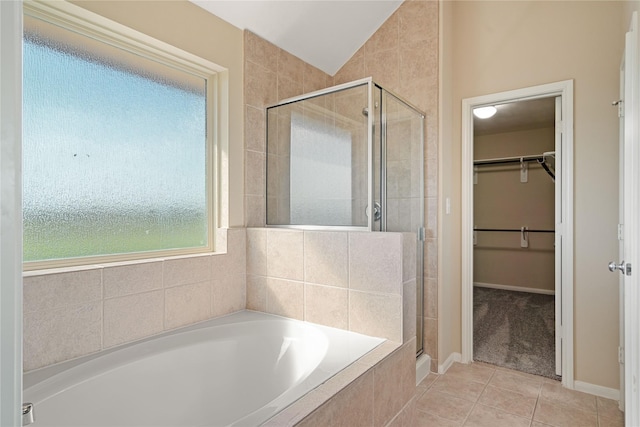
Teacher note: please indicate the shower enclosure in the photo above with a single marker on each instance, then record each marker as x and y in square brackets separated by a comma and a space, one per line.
[349, 157]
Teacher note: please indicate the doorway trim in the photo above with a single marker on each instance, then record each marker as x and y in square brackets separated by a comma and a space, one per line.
[564, 89]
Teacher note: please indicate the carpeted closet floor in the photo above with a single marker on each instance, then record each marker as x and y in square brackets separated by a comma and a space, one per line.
[515, 330]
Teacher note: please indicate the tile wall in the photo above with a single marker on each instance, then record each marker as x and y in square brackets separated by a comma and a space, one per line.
[362, 282]
[402, 56]
[81, 311]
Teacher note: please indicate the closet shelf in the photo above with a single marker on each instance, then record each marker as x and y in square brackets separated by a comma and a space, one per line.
[514, 230]
[535, 158]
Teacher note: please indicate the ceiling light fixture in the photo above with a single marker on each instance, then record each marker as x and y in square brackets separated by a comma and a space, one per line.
[484, 112]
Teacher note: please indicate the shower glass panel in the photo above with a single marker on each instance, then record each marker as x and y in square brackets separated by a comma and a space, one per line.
[317, 160]
[348, 157]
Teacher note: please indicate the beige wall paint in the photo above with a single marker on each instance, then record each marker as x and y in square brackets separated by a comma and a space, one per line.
[498, 46]
[502, 201]
[190, 28]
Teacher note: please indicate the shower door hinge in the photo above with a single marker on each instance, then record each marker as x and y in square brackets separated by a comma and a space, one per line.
[421, 234]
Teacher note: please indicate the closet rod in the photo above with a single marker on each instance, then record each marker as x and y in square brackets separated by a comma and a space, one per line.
[514, 230]
[507, 160]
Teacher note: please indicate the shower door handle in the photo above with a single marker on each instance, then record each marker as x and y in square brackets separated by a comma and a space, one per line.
[377, 211]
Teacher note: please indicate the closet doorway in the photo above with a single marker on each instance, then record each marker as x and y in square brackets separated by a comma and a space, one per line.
[517, 252]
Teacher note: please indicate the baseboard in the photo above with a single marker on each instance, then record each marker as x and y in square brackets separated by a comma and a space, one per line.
[597, 390]
[514, 288]
[453, 357]
[423, 367]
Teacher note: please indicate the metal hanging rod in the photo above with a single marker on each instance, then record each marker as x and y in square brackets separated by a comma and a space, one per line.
[538, 158]
[515, 230]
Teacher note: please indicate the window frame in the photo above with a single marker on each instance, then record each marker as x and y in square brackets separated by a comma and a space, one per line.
[89, 24]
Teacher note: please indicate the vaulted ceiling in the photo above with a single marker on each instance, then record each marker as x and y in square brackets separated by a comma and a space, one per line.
[323, 33]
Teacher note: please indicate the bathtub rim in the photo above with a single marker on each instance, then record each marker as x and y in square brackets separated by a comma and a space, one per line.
[337, 381]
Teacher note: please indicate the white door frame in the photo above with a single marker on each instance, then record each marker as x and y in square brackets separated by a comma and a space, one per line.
[11, 208]
[631, 230]
[564, 89]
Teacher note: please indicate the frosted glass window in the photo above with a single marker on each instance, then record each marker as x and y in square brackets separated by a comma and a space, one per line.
[114, 150]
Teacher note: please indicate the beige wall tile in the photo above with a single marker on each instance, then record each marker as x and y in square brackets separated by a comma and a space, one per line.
[288, 88]
[383, 67]
[431, 258]
[260, 86]
[409, 323]
[430, 336]
[228, 295]
[375, 262]
[257, 251]
[183, 271]
[409, 249]
[315, 79]
[132, 317]
[260, 51]
[187, 304]
[285, 298]
[254, 173]
[51, 291]
[412, 16]
[385, 38]
[431, 298]
[254, 129]
[326, 305]
[285, 254]
[290, 66]
[256, 293]
[378, 315]
[237, 250]
[254, 211]
[132, 279]
[52, 336]
[326, 260]
[352, 70]
[408, 363]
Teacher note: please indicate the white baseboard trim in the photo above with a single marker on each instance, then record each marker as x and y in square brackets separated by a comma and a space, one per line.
[597, 390]
[423, 367]
[514, 288]
[453, 357]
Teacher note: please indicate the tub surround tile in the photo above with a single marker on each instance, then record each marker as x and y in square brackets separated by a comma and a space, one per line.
[409, 248]
[409, 319]
[378, 315]
[188, 270]
[228, 296]
[52, 336]
[326, 260]
[256, 293]
[132, 279]
[51, 291]
[257, 251]
[326, 305]
[285, 298]
[388, 389]
[187, 304]
[255, 124]
[379, 270]
[133, 317]
[254, 211]
[355, 407]
[285, 254]
[260, 51]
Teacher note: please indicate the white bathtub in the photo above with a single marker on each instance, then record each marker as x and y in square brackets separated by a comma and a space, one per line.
[238, 370]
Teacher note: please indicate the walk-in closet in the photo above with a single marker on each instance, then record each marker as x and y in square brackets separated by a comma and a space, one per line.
[514, 258]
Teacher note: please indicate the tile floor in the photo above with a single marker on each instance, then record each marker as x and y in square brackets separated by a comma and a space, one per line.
[484, 395]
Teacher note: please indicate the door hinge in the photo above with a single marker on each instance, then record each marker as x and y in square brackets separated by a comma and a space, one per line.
[627, 269]
[621, 355]
[620, 231]
[620, 105]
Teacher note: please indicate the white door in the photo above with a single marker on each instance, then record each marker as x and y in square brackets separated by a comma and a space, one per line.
[628, 229]
[11, 218]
